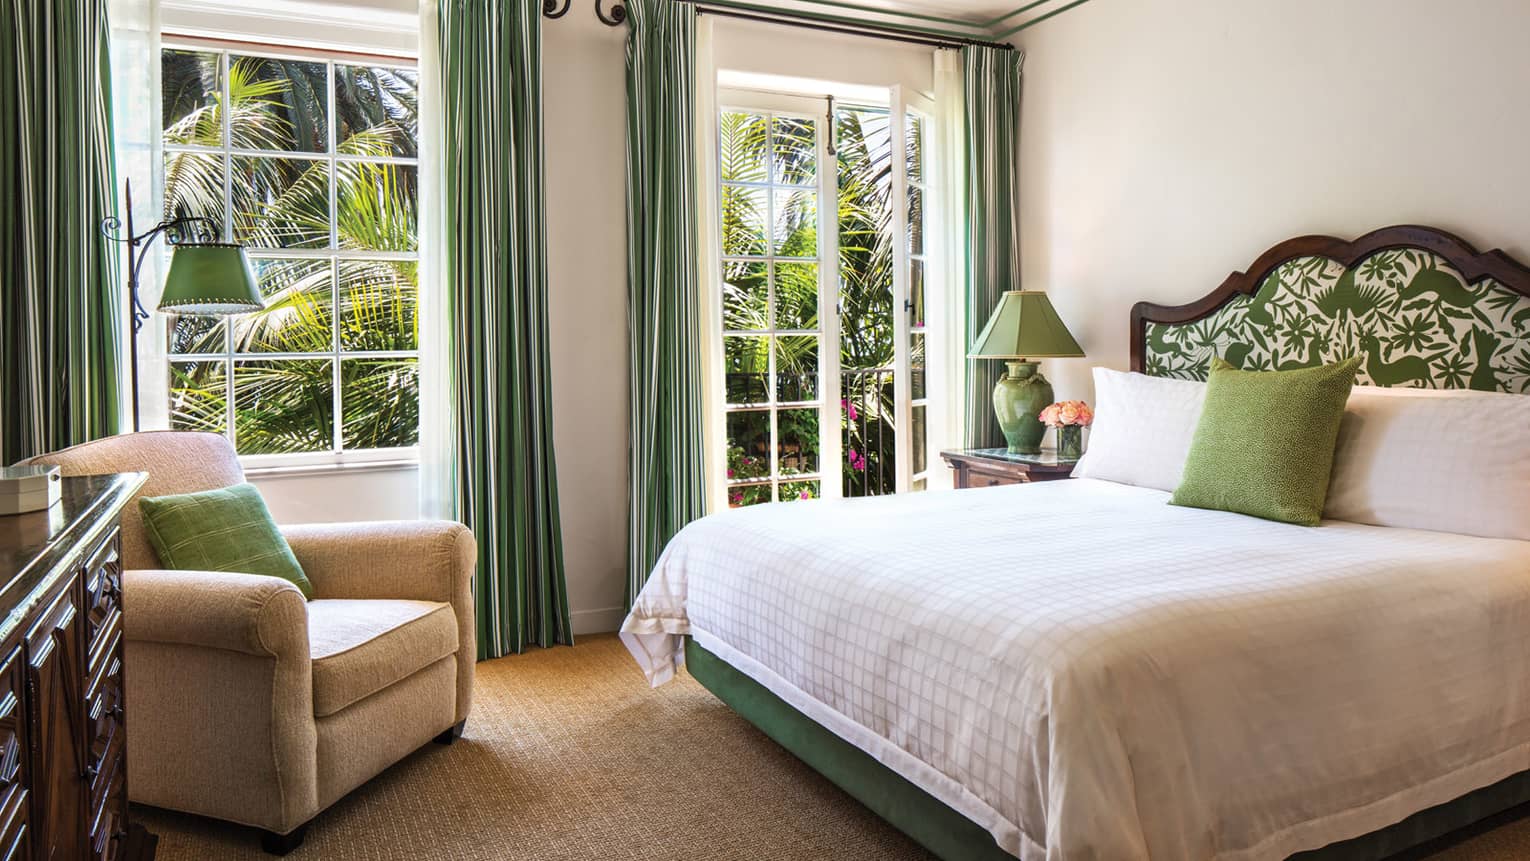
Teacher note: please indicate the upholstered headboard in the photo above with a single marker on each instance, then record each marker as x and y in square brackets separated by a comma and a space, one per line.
[1426, 310]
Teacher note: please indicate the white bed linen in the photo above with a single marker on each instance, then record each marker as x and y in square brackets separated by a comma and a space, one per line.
[1089, 672]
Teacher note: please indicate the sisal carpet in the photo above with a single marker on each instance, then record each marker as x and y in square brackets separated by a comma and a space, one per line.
[569, 756]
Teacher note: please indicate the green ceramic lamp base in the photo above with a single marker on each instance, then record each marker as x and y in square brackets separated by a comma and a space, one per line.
[1017, 401]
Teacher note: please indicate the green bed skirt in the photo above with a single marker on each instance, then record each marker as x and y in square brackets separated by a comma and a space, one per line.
[953, 837]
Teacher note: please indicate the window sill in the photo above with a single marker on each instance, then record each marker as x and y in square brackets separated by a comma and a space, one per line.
[311, 469]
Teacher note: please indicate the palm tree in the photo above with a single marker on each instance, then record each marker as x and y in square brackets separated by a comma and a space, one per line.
[752, 150]
[283, 202]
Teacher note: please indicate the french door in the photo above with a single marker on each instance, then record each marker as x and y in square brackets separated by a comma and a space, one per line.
[822, 336]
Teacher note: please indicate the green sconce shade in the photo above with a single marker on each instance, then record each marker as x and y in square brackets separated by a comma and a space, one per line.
[210, 278]
[1025, 326]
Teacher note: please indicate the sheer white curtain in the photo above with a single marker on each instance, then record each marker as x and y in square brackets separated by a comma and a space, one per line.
[438, 431]
[709, 272]
[137, 134]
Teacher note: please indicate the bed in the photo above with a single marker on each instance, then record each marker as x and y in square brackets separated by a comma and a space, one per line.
[1078, 670]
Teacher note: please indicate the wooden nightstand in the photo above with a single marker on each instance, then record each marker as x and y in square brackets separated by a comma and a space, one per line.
[989, 467]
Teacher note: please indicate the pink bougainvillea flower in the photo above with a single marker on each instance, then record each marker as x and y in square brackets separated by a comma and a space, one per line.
[857, 461]
[849, 409]
[730, 472]
[805, 495]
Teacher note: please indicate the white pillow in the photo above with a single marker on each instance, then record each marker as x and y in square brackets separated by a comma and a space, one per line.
[1450, 460]
[1142, 429]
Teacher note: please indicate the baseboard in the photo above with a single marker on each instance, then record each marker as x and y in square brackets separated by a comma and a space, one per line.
[602, 621]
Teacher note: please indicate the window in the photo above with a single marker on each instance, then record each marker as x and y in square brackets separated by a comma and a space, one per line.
[771, 335]
[822, 297]
[310, 163]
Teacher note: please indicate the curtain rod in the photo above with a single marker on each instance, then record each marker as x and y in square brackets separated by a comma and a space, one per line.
[872, 31]
[746, 12]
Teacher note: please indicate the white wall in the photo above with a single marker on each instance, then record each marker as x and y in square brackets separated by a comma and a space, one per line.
[772, 49]
[334, 495]
[1166, 144]
[584, 96]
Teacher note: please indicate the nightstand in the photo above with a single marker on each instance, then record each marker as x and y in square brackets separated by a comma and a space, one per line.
[989, 467]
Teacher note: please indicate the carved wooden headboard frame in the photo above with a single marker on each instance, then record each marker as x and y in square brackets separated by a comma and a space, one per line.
[1472, 265]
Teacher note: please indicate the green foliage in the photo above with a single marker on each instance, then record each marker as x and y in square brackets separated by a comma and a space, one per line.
[287, 405]
[752, 223]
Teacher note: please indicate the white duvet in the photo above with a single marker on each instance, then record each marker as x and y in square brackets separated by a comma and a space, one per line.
[1091, 673]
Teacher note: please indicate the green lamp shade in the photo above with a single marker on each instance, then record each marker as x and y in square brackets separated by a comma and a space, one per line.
[1025, 326]
[210, 278]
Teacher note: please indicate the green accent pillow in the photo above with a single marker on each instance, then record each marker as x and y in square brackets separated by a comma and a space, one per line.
[221, 530]
[1264, 444]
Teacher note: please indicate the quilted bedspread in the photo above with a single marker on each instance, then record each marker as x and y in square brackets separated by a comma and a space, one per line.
[1091, 673]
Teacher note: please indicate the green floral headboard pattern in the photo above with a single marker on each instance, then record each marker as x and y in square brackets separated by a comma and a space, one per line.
[1423, 307]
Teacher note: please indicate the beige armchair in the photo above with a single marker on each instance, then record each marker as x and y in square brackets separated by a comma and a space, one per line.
[252, 705]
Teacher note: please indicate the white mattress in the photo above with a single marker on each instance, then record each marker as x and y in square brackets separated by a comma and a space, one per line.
[1089, 672]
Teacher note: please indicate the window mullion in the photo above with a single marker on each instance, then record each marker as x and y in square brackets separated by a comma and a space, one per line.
[337, 442]
[227, 129]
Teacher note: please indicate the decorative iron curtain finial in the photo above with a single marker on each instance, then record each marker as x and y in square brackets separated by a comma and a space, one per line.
[618, 14]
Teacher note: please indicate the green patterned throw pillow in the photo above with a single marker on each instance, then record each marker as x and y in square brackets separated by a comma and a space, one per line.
[1264, 444]
[221, 530]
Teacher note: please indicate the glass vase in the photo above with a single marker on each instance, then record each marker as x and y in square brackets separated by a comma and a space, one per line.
[1070, 442]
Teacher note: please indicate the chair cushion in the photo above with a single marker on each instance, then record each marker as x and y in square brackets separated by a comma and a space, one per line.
[360, 647]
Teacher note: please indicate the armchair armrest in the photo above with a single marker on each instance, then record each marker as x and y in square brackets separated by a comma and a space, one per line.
[238, 612]
[417, 560]
[220, 672]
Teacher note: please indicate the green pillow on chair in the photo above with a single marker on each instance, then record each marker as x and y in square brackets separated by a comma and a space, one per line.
[1264, 444]
[221, 530]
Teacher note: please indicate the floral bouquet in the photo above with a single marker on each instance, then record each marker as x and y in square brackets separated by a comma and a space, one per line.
[1064, 413]
[1070, 418]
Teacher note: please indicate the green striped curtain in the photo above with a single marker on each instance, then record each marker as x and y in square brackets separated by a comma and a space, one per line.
[59, 290]
[496, 302]
[663, 303]
[992, 81]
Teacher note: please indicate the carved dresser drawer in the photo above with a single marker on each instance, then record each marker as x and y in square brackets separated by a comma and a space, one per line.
[14, 798]
[63, 743]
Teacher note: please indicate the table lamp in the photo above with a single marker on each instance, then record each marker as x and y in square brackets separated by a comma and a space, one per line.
[1022, 329]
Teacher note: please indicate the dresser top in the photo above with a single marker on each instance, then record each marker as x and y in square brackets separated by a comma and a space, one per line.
[35, 546]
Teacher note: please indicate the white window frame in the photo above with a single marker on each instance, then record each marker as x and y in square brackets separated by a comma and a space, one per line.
[904, 105]
[337, 455]
[898, 102]
[829, 445]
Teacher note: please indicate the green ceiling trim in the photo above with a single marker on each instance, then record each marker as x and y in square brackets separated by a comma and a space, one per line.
[991, 25]
[969, 30]
[1039, 18]
[975, 31]
[915, 16]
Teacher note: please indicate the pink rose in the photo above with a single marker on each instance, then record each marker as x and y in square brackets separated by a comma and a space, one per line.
[1069, 413]
[1048, 416]
[1085, 415]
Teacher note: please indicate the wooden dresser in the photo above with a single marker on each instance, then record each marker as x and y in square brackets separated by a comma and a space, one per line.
[63, 767]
